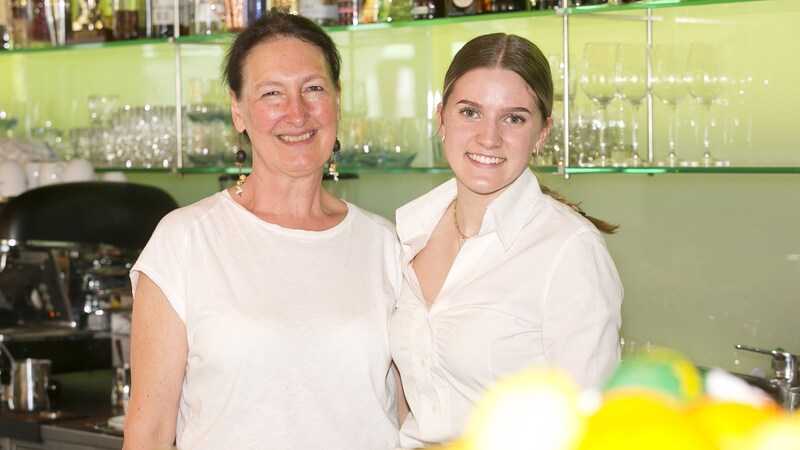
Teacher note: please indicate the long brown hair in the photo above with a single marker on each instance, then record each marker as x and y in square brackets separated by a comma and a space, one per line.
[523, 57]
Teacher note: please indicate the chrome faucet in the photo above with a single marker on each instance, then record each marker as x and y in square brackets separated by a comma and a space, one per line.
[786, 381]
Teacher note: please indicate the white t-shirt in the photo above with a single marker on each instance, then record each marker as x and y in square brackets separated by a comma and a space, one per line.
[287, 329]
[535, 287]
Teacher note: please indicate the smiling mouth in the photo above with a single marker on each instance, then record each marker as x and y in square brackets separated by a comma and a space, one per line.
[485, 159]
[300, 138]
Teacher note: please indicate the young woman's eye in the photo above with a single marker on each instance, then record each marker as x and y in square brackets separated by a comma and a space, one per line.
[468, 112]
[516, 119]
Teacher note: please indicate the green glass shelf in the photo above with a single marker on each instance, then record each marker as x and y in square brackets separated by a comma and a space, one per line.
[538, 169]
[649, 4]
[685, 170]
[89, 46]
[218, 39]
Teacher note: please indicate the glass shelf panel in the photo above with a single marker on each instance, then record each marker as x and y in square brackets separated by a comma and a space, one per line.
[217, 39]
[538, 169]
[88, 46]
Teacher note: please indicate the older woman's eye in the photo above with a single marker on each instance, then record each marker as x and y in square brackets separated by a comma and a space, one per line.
[316, 88]
[468, 112]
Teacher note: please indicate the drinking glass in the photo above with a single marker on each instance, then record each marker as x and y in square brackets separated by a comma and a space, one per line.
[670, 87]
[554, 144]
[597, 83]
[630, 79]
[705, 80]
[206, 100]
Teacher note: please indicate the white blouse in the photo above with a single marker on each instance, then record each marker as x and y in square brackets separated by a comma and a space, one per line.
[535, 287]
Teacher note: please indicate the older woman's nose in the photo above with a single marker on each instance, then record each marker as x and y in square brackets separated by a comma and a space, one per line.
[297, 112]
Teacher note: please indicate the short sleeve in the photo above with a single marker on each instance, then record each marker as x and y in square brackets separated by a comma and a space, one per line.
[163, 260]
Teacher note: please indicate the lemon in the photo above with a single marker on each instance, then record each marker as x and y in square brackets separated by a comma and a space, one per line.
[634, 422]
[729, 423]
[779, 433]
[535, 408]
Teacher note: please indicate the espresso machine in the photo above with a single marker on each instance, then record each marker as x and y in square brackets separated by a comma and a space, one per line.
[65, 253]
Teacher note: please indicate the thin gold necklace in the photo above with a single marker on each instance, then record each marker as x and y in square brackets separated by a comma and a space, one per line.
[462, 237]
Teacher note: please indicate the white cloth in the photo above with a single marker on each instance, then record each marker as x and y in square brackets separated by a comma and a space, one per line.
[287, 329]
[535, 287]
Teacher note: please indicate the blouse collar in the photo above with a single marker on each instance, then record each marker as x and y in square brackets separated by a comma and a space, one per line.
[506, 215]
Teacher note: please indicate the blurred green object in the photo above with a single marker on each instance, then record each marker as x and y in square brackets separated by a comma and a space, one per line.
[659, 371]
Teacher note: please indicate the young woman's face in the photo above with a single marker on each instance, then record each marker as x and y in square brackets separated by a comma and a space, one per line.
[289, 106]
[490, 126]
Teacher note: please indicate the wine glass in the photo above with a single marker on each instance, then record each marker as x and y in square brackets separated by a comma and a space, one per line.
[705, 80]
[669, 85]
[597, 83]
[630, 79]
[554, 144]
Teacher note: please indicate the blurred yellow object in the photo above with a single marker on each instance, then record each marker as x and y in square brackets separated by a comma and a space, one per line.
[533, 409]
[729, 423]
[638, 422]
[660, 371]
[781, 433]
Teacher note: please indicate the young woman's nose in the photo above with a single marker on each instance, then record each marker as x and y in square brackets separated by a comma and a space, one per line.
[489, 134]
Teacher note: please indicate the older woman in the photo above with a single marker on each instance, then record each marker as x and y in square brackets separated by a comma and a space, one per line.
[499, 275]
[261, 315]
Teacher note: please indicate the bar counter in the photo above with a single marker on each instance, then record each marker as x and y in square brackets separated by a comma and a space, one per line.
[83, 407]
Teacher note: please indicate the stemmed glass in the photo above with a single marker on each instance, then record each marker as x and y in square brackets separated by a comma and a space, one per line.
[670, 87]
[554, 144]
[630, 79]
[597, 83]
[705, 81]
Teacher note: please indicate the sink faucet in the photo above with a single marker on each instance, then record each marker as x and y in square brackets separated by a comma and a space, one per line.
[787, 376]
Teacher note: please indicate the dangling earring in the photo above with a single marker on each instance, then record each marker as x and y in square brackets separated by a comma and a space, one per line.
[241, 157]
[332, 166]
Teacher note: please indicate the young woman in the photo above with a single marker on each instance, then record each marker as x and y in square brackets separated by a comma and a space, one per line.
[498, 275]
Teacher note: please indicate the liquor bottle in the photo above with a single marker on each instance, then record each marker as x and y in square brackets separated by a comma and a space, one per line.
[19, 24]
[256, 9]
[125, 25]
[324, 12]
[427, 9]
[499, 6]
[399, 10]
[467, 7]
[368, 13]
[348, 11]
[163, 18]
[144, 19]
[85, 22]
[289, 6]
[5, 28]
[207, 18]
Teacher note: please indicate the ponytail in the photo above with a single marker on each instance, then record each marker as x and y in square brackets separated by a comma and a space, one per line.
[601, 225]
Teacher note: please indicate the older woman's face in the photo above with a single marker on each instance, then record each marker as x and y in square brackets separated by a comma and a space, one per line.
[289, 106]
[491, 126]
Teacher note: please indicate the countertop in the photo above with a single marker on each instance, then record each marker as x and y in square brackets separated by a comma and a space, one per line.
[83, 406]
